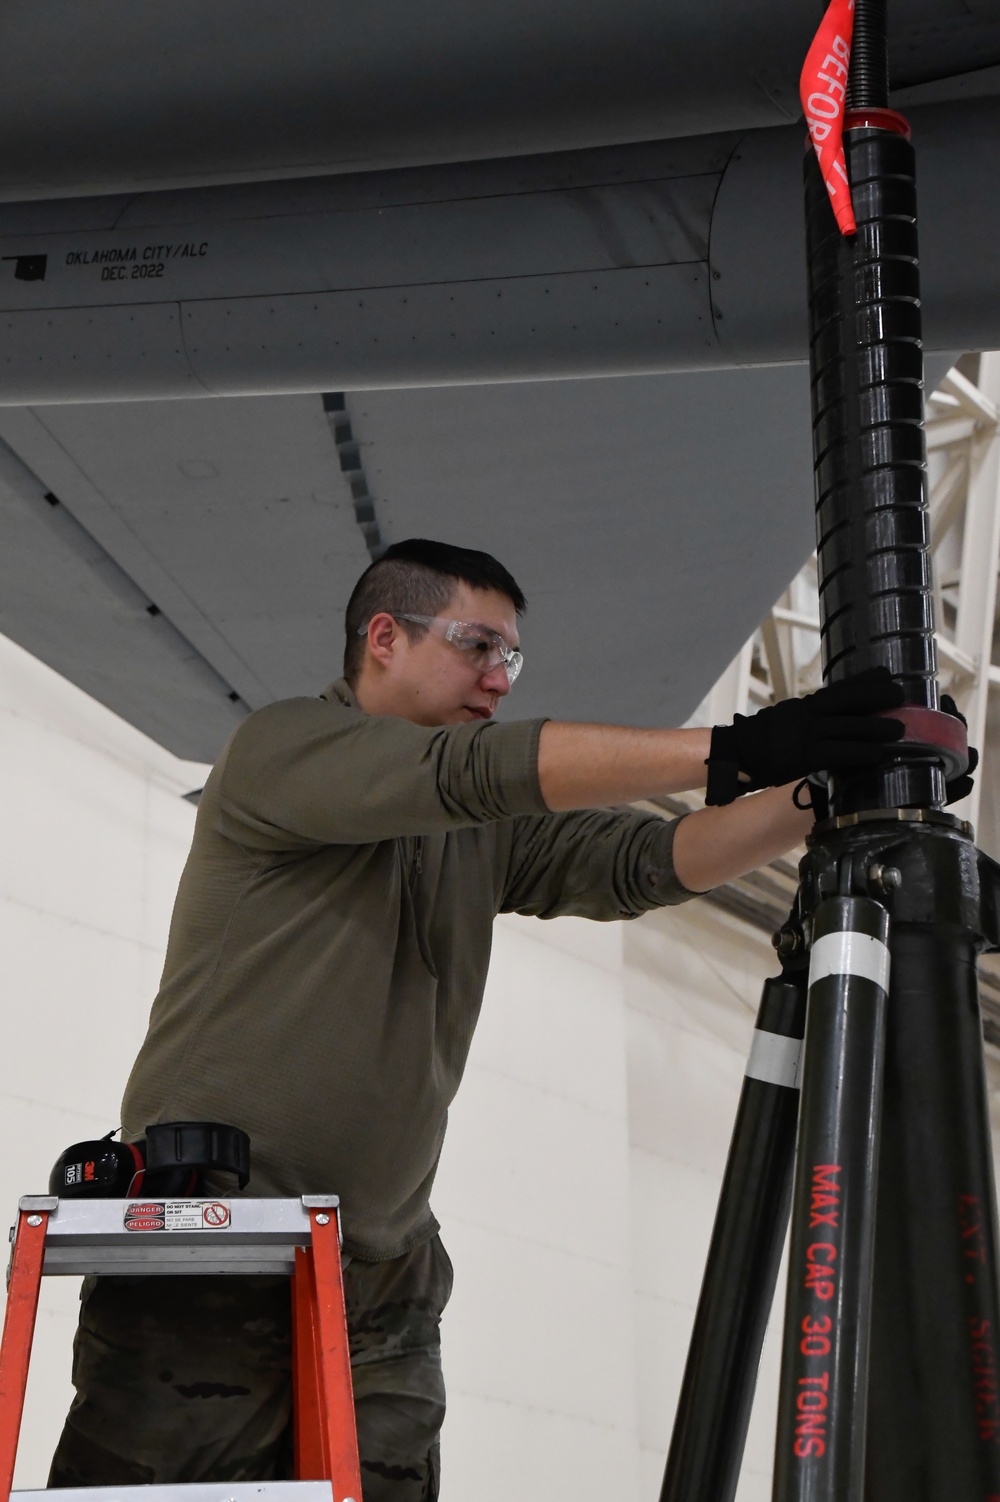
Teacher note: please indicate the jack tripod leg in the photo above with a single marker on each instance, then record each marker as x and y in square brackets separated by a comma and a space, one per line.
[934, 1403]
[824, 1370]
[713, 1411]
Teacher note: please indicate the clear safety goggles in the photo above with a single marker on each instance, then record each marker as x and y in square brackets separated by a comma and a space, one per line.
[485, 647]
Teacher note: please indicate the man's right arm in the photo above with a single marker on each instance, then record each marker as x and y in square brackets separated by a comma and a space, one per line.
[838, 728]
[319, 772]
[593, 766]
[310, 771]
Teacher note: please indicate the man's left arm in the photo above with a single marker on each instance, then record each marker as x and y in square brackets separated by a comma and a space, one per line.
[618, 863]
[716, 845]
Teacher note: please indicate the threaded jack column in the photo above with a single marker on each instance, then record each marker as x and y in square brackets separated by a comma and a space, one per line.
[868, 84]
[866, 361]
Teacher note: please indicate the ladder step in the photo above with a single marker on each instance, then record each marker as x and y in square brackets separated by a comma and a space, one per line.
[196, 1491]
[142, 1238]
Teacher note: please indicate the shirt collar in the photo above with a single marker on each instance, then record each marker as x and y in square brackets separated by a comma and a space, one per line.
[342, 691]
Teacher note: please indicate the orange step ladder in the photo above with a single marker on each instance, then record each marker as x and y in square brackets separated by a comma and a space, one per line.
[146, 1238]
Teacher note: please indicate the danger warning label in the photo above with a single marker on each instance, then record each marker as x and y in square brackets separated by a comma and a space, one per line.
[177, 1215]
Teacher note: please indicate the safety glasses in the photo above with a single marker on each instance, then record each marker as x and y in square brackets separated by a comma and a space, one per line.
[485, 647]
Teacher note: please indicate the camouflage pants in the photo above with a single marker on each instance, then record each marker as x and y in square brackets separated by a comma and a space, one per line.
[189, 1379]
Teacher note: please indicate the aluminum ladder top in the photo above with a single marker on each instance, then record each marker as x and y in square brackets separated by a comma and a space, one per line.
[150, 1237]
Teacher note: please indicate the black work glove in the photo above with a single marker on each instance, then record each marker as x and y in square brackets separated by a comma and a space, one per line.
[832, 730]
[959, 787]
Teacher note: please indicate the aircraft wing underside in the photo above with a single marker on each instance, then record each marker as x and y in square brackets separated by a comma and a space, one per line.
[201, 552]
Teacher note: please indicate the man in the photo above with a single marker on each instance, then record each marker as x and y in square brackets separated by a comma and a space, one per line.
[326, 963]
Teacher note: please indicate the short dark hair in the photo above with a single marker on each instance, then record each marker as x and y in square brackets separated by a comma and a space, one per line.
[418, 577]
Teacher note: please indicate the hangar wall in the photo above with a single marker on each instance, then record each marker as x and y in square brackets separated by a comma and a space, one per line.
[95, 833]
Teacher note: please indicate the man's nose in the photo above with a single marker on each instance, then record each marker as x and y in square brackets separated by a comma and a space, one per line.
[496, 680]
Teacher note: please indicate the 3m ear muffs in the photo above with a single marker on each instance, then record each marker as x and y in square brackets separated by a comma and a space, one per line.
[168, 1161]
[98, 1170]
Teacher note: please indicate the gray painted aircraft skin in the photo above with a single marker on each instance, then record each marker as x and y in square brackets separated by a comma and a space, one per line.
[527, 278]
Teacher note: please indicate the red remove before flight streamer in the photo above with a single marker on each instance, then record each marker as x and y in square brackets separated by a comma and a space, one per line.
[823, 90]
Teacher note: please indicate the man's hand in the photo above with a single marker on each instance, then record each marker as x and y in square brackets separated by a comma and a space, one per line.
[836, 729]
[959, 787]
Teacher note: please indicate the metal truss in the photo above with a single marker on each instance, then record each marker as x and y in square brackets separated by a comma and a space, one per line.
[782, 657]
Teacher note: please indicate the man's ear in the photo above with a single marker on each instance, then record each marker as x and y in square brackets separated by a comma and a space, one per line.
[383, 637]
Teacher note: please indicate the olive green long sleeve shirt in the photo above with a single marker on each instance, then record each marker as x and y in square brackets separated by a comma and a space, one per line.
[331, 938]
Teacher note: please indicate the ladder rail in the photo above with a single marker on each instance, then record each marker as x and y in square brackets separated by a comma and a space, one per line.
[23, 1289]
[309, 1456]
[332, 1357]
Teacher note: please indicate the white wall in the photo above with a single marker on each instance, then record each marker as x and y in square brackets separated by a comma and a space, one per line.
[581, 1170]
[577, 1194]
[533, 1196]
[95, 832]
